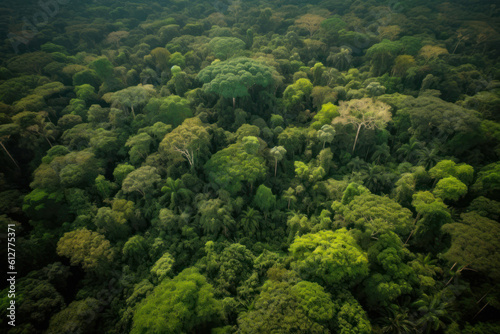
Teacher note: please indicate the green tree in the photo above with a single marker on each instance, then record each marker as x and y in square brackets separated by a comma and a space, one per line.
[474, 243]
[133, 97]
[450, 188]
[232, 78]
[187, 141]
[326, 134]
[331, 258]
[86, 248]
[142, 180]
[278, 153]
[231, 166]
[78, 317]
[179, 305]
[264, 199]
[226, 47]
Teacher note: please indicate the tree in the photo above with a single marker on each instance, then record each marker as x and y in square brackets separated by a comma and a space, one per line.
[140, 146]
[225, 47]
[450, 188]
[296, 95]
[326, 134]
[250, 220]
[284, 307]
[7, 130]
[264, 199]
[325, 115]
[86, 248]
[363, 113]
[278, 152]
[382, 55]
[179, 305]
[310, 22]
[163, 267]
[229, 167]
[133, 97]
[474, 244]
[79, 317]
[186, 141]
[433, 310]
[171, 110]
[142, 180]
[330, 258]
[232, 78]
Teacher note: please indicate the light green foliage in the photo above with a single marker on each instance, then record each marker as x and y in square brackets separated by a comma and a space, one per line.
[142, 180]
[351, 318]
[278, 152]
[283, 307]
[226, 47]
[86, 248]
[331, 258]
[450, 188]
[232, 78]
[171, 110]
[180, 305]
[375, 214]
[447, 168]
[474, 243]
[105, 143]
[297, 94]
[325, 115]
[104, 187]
[121, 171]
[276, 120]
[382, 55]
[326, 134]
[163, 267]
[85, 92]
[309, 172]
[230, 167]
[433, 213]
[251, 144]
[133, 97]
[264, 198]
[187, 141]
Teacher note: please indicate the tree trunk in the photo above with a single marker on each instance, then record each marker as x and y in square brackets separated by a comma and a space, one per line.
[275, 166]
[133, 113]
[356, 139]
[10, 156]
[234, 103]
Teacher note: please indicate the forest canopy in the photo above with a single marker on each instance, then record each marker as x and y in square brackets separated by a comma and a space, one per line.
[250, 166]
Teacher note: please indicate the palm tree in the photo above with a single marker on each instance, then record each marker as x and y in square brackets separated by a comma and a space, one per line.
[408, 152]
[396, 322]
[382, 151]
[177, 192]
[433, 312]
[428, 157]
[250, 220]
[357, 165]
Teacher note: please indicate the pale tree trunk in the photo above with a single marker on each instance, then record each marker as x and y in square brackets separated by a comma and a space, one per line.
[10, 156]
[356, 139]
[234, 103]
[275, 166]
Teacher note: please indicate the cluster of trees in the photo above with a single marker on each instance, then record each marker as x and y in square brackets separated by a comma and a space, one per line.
[250, 167]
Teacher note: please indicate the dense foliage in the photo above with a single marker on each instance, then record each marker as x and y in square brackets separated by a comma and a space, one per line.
[251, 167]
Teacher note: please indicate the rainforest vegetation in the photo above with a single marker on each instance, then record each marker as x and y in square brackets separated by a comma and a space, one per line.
[251, 166]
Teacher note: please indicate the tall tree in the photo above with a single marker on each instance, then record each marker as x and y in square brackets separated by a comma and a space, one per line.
[363, 113]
